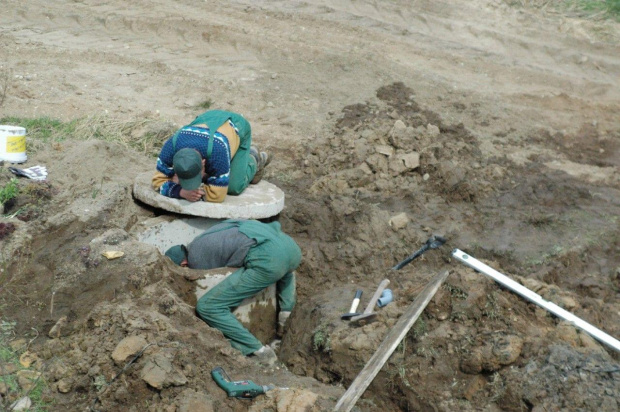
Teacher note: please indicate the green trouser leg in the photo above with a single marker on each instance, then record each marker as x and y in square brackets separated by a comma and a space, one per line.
[267, 263]
[285, 288]
[243, 165]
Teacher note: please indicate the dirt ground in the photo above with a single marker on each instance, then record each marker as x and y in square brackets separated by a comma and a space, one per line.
[510, 108]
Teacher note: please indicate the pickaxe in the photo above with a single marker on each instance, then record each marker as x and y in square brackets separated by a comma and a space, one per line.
[432, 243]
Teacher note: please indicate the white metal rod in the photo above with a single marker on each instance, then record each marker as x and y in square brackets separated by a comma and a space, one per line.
[536, 298]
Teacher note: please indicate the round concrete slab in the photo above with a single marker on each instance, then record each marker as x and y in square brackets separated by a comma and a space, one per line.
[258, 201]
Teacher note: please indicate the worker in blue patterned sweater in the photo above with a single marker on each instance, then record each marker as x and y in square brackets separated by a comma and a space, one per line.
[209, 158]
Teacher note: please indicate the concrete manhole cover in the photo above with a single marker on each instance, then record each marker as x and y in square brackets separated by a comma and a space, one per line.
[258, 201]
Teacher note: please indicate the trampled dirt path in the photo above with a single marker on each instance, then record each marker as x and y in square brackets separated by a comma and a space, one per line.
[512, 106]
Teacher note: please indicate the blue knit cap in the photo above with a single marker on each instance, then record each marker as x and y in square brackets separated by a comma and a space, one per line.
[177, 254]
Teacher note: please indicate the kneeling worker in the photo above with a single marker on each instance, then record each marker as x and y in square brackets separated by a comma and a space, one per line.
[264, 254]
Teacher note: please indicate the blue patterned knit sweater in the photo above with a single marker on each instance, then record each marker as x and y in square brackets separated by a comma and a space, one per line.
[217, 166]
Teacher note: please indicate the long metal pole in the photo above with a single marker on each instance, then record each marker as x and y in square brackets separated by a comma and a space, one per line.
[536, 298]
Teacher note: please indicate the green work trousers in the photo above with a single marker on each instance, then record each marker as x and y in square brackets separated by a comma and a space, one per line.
[272, 260]
[242, 165]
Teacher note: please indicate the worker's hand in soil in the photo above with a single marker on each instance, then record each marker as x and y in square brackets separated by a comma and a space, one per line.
[192, 195]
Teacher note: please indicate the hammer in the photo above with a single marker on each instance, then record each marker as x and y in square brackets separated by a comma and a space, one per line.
[354, 304]
[368, 313]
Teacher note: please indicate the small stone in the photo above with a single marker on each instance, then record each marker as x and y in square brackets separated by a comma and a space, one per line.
[295, 400]
[270, 104]
[27, 359]
[472, 362]
[426, 177]
[159, 373]
[64, 385]
[274, 76]
[412, 160]
[22, 404]
[129, 346]
[399, 126]
[385, 150]
[507, 349]
[56, 330]
[399, 221]
[432, 130]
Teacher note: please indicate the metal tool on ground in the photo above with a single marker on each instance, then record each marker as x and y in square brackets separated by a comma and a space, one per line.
[368, 313]
[238, 389]
[356, 301]
[432, 243]
[536, 298]
[389, 345]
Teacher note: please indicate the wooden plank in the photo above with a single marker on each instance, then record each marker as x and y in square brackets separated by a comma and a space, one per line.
[389, 345]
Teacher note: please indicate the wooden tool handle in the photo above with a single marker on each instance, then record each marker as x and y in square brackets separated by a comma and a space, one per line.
[356, 301]
[373, 301]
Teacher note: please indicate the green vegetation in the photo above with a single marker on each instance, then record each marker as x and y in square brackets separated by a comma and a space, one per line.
[9, 358]
[419, 328]
[590, 9]
[492, 309]
[455, 291]
[604, 8]
[9, 191]
[145, 135]
[321, 341]
[555, 252]
[205, 105]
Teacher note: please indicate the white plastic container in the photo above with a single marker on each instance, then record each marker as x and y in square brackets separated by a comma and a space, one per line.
[13, 144]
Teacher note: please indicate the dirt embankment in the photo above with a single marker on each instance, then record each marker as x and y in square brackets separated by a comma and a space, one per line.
[476, 346]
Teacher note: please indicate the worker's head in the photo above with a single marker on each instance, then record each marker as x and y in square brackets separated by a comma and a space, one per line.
[188, 166]
[178, 254]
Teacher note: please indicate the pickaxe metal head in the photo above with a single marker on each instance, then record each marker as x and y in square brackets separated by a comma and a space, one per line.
[435, 241]
[432, 243]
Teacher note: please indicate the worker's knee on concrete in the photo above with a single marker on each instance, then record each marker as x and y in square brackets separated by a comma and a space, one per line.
[235, 191]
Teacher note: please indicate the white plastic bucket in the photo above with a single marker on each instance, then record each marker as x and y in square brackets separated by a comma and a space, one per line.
[12, 144]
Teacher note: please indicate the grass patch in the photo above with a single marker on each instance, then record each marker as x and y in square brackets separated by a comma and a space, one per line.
[419, 328]
[9, 191]
[455, 291]
[555, 252]
[321, 341]
[9, 358]
[588, 9]
[492, 309]
[205, 105]
[604, 8]
[145, 135]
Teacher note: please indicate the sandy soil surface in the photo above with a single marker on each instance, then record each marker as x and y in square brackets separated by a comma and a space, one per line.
[512, 109]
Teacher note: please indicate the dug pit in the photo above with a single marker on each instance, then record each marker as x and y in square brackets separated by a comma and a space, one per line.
[257, 314]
